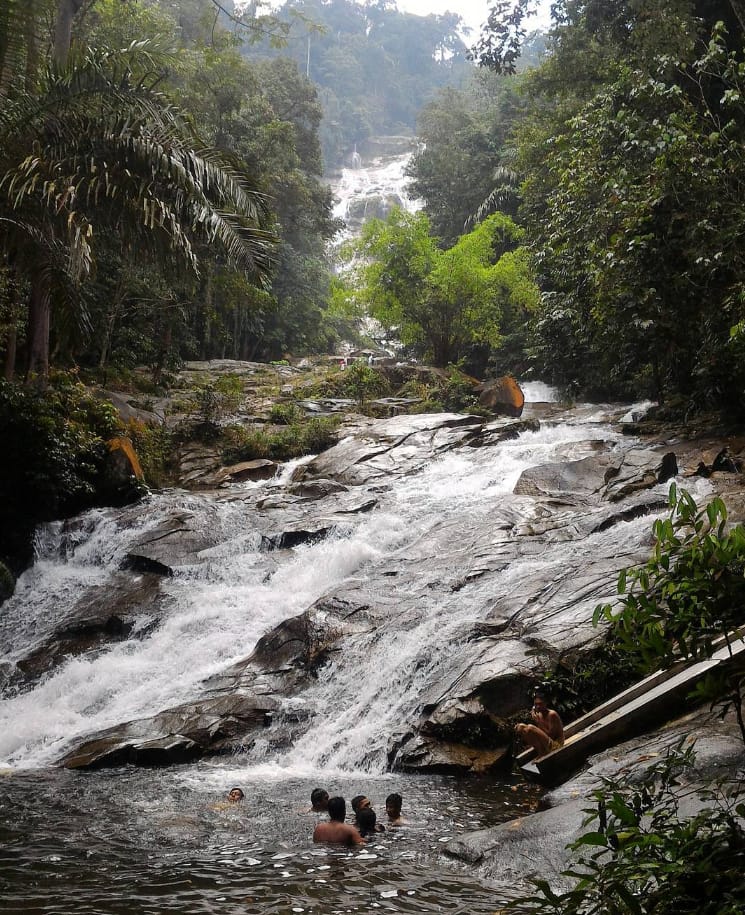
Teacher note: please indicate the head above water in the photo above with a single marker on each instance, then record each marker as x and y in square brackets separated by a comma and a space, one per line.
[393, 804]
[360, 802]
[319, 799]
[235, 795]
[366, 819]
[337, 809]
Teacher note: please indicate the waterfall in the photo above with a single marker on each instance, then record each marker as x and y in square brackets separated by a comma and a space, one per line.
[429, 530]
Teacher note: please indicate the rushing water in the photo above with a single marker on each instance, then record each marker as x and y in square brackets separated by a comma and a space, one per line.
[153, 841]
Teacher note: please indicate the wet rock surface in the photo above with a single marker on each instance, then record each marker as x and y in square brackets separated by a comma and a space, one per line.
[510, 584]
[535, 846]
[211, 726]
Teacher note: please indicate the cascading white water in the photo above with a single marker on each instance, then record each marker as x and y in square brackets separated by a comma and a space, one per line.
[216, 610]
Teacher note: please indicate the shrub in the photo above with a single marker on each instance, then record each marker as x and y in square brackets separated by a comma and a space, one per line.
[284, 414]
[154, 447]
[362, 381]
[212, 400]
[689, 594]
[52, 457]
[295, 440]
[642, 857]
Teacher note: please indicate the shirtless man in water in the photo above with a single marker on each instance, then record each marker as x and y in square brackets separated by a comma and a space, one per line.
[547, 732]
[336, 830]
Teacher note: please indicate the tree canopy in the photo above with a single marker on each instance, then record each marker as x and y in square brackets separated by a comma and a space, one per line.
[443, 301]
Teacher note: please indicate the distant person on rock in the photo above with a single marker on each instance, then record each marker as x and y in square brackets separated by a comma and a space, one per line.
[546, 733]
[336, 830]
[393, 804]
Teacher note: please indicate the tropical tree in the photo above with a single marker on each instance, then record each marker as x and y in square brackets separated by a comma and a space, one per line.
[95, 143]
[443, 301]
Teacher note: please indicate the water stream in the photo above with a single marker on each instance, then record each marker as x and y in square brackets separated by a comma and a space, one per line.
[152, 840]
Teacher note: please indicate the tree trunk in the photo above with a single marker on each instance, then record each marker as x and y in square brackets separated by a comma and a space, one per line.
[38, 319]
[66, 12]
[10, 353]
[738, 8]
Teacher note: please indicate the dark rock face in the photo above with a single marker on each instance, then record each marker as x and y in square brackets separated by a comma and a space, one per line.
[180, 734]
[535, 846]
[107, 613]
[173, 544]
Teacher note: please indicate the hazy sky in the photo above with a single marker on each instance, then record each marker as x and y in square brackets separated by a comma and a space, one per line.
[474, 12]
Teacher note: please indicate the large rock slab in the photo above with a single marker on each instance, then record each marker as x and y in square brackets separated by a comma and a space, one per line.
[172, 544]
[535, 846]
[123, 606]
[180, 734]
[396, 446]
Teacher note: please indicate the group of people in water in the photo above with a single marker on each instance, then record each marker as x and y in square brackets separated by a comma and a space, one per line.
[544, 734]
[338, 831]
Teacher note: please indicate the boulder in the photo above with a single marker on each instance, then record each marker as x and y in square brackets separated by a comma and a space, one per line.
[502, 395]
[638, 469]
[111, 612]
[258, 469]
[171, 545]
[128, 409]
[431, 755]
[180, 734]
[402, 444]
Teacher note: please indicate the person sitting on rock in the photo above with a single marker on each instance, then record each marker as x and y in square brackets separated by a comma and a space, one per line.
[393, 804]
[546, 733]
[336, 830]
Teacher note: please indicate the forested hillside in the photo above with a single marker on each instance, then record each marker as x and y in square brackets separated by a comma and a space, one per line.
[161, 196]
[620, 155]
[375, 66]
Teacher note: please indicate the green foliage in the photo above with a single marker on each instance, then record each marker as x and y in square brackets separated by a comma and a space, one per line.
[580, 685]
[284, 414]
[442, 301]
[632, 167]
[52, 457]
[688, 598]
[295, 440]
[362, 382]
[154, 448]
[690, 592]
[644, 856]
[464, 134]
[213, 400]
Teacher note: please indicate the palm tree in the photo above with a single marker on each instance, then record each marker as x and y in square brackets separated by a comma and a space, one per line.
[92, 143]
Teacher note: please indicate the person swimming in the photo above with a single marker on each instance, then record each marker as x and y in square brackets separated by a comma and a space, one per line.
[367, 822]
[235, 795]
[393, 804]
[336, 830]
[319, 800]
